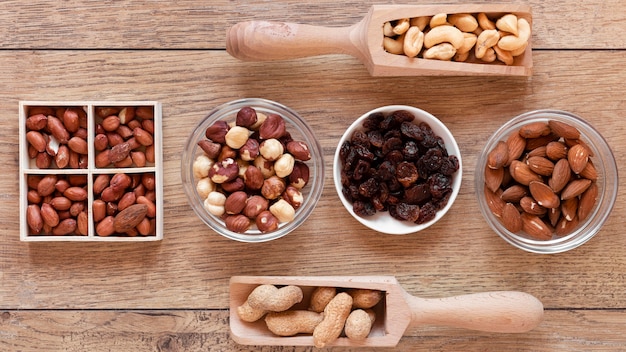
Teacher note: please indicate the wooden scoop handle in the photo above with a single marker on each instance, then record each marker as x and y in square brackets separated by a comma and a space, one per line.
[264, 41]
[499, 311]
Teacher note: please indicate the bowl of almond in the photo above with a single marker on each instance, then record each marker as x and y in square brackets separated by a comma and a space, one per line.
[546, 181]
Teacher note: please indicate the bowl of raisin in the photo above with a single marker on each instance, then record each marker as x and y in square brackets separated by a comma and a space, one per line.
[397, 169]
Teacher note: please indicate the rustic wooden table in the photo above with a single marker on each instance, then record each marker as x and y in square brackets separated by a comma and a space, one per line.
[173, 295]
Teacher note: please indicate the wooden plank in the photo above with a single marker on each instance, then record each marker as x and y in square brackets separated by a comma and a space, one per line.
[204, 330]
[191, 24]
[192, 265]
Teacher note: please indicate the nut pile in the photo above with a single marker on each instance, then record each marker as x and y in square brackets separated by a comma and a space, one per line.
[331, 312]
[459, 37]
[541, 181]
[251, 171]
[57, 137]
[124, 136]
[398, 166]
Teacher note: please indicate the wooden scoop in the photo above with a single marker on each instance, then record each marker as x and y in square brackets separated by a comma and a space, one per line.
[263, 41]
[500, 311]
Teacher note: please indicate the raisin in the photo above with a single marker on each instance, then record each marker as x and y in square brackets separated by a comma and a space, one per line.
[363, 153]
[417, 194]
[360, 138]
[404, 211]
[390, 144]
[368, 188]
[363, 209]
[439, 185]
[401, 116]
[411, 151]
[427, 213]
[361, 169]
[372, 122]
[388, 123]
[412, 131]
[375, 138]
[432, 159]
[395, 157]
[406, 173]
[386, 171]
[344, 150]
[449, 166]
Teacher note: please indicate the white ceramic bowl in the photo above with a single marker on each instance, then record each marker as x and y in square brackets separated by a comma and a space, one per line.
[382, 221]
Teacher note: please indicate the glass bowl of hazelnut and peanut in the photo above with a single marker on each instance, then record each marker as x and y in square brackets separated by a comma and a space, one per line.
[252, 170]
[546, 181]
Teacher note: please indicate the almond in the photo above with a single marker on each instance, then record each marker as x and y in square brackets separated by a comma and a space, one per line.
[575, 188]
[534, 129]
[556, 150]
[540, 165]
[516, 145]
[589, 171]
[493, 178]
[530, 206]
[578, 155]
[495, 203]
[564, 130]
[560, 175]
[565, 227]
[569, 208]
[511, 218]
[543, 194]
[498, 156]
[535, 227]
[554, 215]
[514, 193]
[587, 201]
[130, 217]
[522, 173]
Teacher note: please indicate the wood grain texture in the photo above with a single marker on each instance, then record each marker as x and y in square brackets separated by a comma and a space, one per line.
[173, 295]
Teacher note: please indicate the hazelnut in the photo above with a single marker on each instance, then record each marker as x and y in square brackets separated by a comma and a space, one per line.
[283, 211]
[250, 150]
[253, 178]
[266, 166]
[299, 176]
[224, 171]
[236, 137]
[217, 132]
[271, 149]
[254, 206]
[214, 203]
[284, 165]
[201, 166]
[293, 196]
[246, 117]
[266, 221]
[235, 202]
[272, 127]
[299, 150]
[211, 149]
[260, 118]
[204, 187]
[234, 185]
[237, 223]
[273, 187]
[227, 152]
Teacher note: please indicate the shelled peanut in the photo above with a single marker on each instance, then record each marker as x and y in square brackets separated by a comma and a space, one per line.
[332, 312]
[251, 172]
[541, 181]
[57, 137]
[124, 204]
[124, 136]
[461, 37]
[57, 205]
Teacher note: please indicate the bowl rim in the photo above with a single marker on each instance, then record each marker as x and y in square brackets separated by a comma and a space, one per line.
[382, 222]
[317, 167]
[592, 225]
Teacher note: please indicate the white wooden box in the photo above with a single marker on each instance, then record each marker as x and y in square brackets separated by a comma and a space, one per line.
[84, 167]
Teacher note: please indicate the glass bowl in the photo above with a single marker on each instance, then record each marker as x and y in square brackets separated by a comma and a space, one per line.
[299, 130]
[607, 184]
[382, 221]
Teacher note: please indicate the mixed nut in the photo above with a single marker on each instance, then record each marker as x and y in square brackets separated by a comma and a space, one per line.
[331, 311]
[541, 180]
[251, 172]
[459, 37]
[394, 164]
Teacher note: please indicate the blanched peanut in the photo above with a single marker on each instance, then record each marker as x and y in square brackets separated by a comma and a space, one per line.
[292, 322]
[335, 315]
[359, 324]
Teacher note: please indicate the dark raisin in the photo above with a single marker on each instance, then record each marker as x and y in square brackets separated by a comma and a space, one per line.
[402, 116]
[392, 134]
[404, 211]
[344, 150]
[393, 143]
[388, 123]
[443, 201]
[427, 213]
[417, 194]
[368, 188]
[395, 156]
[412, 131]
[432, 159]
[411, 151]
[406, 173]
[386, 171]
[375, 138]
[449, 166]
[439, 185]
[361, 169]
[363, 153]
[362, 208]
[372, 122]
[360, 138]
